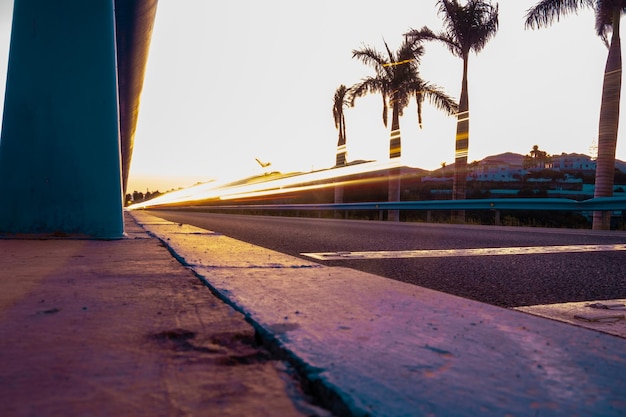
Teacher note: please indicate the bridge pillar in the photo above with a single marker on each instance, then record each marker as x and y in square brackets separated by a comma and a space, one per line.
[60, 169]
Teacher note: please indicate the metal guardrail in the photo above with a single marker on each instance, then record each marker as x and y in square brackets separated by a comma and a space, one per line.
[555, 204]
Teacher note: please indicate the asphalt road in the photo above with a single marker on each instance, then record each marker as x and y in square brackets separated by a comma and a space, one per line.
[507, 280]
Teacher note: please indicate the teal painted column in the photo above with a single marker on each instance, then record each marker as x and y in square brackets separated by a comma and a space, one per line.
[60, 169]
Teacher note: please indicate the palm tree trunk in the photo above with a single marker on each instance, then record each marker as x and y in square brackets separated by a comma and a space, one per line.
[609, 122]
[340, 161]
[461, 147]
[395, 151]
[341, 143]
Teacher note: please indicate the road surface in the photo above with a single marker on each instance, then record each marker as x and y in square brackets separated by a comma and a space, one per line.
[502, 266]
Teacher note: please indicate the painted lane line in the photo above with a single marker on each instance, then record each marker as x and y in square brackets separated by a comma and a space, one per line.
[441, 253]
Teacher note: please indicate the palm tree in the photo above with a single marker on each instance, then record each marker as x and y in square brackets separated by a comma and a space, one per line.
[340, 101]
[467, 28]
[397, 79]
[536, 159]
[608, 14]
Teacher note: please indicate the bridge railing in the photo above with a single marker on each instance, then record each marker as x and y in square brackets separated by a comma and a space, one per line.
[495, 205]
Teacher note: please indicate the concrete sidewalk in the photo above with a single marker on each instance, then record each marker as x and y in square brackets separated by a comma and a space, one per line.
[122, 328]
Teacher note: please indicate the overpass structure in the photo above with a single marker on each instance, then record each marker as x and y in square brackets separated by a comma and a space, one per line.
[74, 81]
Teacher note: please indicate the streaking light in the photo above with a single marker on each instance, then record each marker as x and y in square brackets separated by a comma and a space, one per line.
[393, 64]
[265, 185]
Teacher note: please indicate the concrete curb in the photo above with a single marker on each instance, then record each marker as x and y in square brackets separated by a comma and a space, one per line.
[378, 347]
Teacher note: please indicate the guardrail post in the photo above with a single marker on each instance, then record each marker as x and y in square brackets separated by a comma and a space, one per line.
[497, 218]
[60, 149]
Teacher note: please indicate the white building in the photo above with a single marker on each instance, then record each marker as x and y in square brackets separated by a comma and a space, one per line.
[573, 162]
[506, 167]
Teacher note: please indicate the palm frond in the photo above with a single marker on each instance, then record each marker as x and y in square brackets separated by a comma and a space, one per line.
[419, 99]
[606, 12]
[425, 34]
[465, 27]
[365, 86]
[439, 98]
[385, 110]
[339, 102]
[546, 12]
[371, 57]
[389, 53]
[450, 11]
[485, 27]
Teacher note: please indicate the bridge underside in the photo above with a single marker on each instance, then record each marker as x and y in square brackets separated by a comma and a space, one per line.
[134, 20]
[74, 81]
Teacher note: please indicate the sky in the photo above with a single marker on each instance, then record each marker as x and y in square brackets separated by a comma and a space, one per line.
[228, 82]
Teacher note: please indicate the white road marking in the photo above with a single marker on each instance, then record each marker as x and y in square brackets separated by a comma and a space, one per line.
[441, 253]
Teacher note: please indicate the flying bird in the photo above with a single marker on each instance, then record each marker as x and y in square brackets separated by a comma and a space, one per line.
[263, 164]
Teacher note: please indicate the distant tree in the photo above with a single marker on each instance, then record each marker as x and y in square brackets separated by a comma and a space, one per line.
[341, 100]
[608, 15]
[537, 159]
[398, 79]
[137, 196]
[467, 28]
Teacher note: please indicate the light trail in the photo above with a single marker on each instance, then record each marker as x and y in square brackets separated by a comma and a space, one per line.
[268, 185]
[393, 64]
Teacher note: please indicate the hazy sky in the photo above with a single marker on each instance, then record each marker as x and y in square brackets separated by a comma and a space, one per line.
[228, 82]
